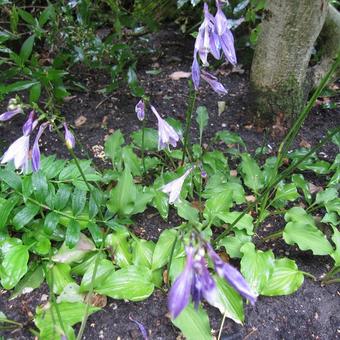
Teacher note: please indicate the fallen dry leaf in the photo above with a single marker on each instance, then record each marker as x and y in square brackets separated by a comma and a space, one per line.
[314, 188]
[81, 120]
[233, 173]
[179, 75]
[250, 198]
[305, 144]
[96, 300]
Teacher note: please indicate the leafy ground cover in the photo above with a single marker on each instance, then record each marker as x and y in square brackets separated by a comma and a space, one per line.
[310, 311]
[191, 228]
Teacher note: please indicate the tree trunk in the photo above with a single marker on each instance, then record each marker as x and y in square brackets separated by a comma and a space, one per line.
[279, 70]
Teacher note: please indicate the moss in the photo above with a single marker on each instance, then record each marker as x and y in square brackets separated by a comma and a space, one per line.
[288, 97]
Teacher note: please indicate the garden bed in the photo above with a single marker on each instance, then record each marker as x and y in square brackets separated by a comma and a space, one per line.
[312, 312]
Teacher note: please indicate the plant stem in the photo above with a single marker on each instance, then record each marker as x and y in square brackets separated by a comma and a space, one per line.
[272, 236]
[188, 115]
[309, 275]
[171, 257]
[143, 146]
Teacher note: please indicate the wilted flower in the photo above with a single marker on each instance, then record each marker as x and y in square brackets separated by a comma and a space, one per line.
[69, 138]
[214, 83]
[140, 110]
[196, 280]
[173, 189]
[18, 151]
[36, 149]
[166, 133]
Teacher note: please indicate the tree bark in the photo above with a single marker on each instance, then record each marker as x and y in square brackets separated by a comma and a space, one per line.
[278, 78]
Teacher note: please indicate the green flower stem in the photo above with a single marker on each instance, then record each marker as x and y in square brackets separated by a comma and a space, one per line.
[272, 236]
[171, 257]
[309, 275]
[143, 146]
[188, 115]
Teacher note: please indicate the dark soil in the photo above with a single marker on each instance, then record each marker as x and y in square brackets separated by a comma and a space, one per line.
[313, 312]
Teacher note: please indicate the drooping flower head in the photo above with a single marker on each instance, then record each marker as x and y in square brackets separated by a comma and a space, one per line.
[18, 151]
[232, 275]
[13, 108]
[174, 188]
[197, 282]
[214, 83]
[179, 295]
[140, 110]
[69, 138]
[35, 149]
[166, 133]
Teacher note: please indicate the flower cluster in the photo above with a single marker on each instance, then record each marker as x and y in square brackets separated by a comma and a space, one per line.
[197, 282]
[213, 37]
[166, 133]
[19, 151]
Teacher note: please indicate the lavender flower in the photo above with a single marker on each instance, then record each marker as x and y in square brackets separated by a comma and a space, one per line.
[196, 280]
[36, 150]
[226, 38]
[232, 275]
[10, 114]
[174, 188]
[214, 83]
[18, 151]
[69, 138]
[166, 133]
[179, 295]
[140, 110]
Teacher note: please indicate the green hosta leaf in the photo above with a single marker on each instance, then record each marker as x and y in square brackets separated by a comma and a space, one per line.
[120, 248]
[6, 208]
[194, 324]
[104, 269]
[331, 218]
[78, 201]
[256, 266]
[215, 162]
[231, 301]
[333, 206]
[230, 138]
[319, 167]
[217, 206]
[72, 233]
[176, 268]
[12, 179]
[13, 266]
[123, 196]
[26, 48]
[335, 178]
[163, 248]
[246, 222]
[26, 215]
[32, 280]
[233, 244]
[301, 230]
[131, 160]
[62, 196]
[252, 175]
[40, 186]
[323, 197]
[131, 283]
[285, 278]
[71, 293]
[51, 222]
[77, 253]
[60, 275]
[161, 203]
[301, 183]
[202, 119]
[71, 313]
[187, 211]
[150, 139]
[142, 252]
[285, 192]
